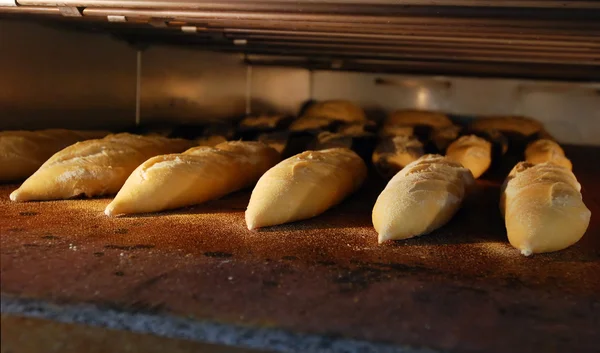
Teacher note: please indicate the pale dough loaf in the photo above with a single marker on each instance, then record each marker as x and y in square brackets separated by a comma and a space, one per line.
[545, 150]
[542, 207]
[472, 152]
[422, 197]
[304, 186]
[23, 152]
[393, 154]
[195, 176]
[94, 167]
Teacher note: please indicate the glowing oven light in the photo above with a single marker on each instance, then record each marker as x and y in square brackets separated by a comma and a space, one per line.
[422, 98]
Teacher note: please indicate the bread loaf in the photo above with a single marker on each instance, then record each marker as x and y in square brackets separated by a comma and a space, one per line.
[210, 141]
[498, 140]
[362, 144]
[304, 186]
[444, 136]
[417, 123]
[321, 115]
[23, 152]
[415, 117]
[262, 123]
[391, 130]
[357, 129]
[542, 207]
[472, 152]
[253, 126]
[420, 198]
[393, 154]
[195, 176]
[340, 110]
[93, 167]
[515, 124]
[545, 150]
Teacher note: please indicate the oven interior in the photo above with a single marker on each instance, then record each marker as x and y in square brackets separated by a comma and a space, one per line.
[322, 284]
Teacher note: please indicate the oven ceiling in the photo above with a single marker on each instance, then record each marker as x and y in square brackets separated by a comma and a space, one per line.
[546, 39]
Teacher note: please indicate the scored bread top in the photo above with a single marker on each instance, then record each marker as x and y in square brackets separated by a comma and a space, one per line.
[421, 198]
[543, 208]
[322, 114]
[545, 150]
[23, 152]
[304, 186]
[195, 176]
[117, 145]
[94, 167]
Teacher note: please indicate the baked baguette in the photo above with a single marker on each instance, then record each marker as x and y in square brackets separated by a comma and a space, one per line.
[263, 122]
[195, 176]
[415, 117]
[210, 141]
[420, 198]
[391, 130]
[393, 154]
[23, 152]
[444, 136]
[515, 124]
[278, 140]
[545, 150]
[418, 123]
[304, 186]
[472, 152]
[340, 110]
[93, 167]
[542, 208]
[321, 115]
[362, 144]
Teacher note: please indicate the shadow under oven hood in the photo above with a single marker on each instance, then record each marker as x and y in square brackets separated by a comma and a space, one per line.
[556, 40]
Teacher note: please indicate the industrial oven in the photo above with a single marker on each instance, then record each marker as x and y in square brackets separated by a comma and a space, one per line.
[74, 279]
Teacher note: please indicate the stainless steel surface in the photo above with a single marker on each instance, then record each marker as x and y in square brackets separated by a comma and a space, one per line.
[54, 78]
[67, 79]
[293, 4]
[190, 86]
[570, 112]
[528, 39]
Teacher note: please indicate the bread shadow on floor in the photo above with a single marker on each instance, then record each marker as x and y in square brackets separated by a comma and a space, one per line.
[464, 228]
[233, 203]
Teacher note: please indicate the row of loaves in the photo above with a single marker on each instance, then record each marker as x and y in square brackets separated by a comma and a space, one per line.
[419, 199]
[403, 137]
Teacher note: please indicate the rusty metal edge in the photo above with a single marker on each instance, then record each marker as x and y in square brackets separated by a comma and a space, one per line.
[169, 326]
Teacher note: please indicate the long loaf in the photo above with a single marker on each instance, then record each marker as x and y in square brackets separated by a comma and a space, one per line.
[393, 154]
[23, 152]
[542, 207]
[545, 150]
[94, 167]
[472, 152]
[420, 198]
[322, 114]
[195, 176]
[304, 186]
